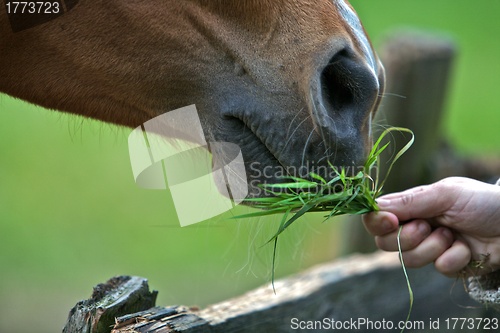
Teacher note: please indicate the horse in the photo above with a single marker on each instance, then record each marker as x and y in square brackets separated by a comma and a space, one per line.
[292, 83]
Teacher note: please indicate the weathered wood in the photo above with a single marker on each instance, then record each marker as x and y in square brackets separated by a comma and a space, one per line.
[160, 320]
[117, 297]
[370, 287]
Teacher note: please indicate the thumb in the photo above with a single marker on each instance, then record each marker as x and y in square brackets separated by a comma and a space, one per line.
[422, 202]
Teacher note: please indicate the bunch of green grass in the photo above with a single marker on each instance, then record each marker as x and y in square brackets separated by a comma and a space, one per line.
[297, 196]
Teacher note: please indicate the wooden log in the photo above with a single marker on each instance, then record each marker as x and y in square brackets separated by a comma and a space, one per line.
[117, 297]
[361, 287]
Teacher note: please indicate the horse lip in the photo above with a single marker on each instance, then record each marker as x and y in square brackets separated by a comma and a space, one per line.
[263, 140]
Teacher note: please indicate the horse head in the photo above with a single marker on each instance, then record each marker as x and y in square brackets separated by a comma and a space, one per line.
[294, 84]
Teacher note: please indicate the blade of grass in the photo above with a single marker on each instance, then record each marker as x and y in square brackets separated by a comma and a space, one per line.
[275, 247]
[410, 290]
[317, 177]
[396, 157]
[294, 218]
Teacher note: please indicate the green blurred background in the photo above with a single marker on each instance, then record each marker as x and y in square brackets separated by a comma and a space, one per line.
[71, 215]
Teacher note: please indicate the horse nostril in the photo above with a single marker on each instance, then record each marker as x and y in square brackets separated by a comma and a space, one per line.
[348, 84]
[336, 85]
[345, 94]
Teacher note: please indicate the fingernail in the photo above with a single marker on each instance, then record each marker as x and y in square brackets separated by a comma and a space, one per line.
[387, 225]
[382, 203]
[423, 228]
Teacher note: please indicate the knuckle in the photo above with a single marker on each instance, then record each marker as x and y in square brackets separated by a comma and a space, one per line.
[444, 185]
[407, 199]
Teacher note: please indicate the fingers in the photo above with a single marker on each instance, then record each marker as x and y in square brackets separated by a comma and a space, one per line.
[420, 245]
[430, 249]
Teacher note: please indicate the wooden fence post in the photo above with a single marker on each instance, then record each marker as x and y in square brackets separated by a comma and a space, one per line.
[418, 68]
[117, 297]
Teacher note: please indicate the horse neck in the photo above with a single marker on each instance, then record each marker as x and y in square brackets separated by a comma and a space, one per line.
[93, 61]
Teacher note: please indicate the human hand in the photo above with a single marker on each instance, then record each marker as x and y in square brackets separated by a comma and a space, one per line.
[452, 223]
